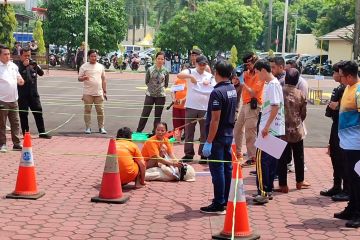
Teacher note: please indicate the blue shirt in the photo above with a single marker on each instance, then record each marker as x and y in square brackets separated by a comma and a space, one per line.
[349, 118]
[223, 98]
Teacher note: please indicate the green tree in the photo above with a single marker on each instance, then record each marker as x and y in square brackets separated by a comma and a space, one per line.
[39, 37]
[214, 26]
[234, 56]
[7, 25]
[65, 25]
[335, 14]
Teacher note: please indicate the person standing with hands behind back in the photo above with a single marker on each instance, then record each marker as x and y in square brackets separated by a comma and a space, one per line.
[220, 122]
[92, 74]
[156, 80]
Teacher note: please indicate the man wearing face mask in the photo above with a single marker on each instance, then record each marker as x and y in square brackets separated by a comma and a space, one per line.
[28, 94]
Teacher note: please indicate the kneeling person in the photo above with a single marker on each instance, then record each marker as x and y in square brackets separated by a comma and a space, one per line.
[131, 163]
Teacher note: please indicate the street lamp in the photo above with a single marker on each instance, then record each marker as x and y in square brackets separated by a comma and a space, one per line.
[285, 25]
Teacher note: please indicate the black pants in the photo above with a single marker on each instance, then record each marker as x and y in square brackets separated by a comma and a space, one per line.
[297, 150]
[34, 104]
[352, 157]
[148, 105]
[338, 159]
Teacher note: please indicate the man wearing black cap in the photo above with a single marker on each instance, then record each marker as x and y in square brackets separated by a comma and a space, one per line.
[199, 86]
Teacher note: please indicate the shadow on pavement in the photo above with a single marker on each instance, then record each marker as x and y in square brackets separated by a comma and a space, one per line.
[327, 225]
[313, 201]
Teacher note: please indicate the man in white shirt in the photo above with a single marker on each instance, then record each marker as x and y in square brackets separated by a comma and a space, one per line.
[9, 79]
[200, 85]
[272, 121]
[92, 74]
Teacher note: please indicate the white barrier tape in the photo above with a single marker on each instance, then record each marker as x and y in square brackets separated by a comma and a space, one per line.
[240, 191]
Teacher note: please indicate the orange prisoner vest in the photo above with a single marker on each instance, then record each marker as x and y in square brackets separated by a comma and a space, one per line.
[128, 151]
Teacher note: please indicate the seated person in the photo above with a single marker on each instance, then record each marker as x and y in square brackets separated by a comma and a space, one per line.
[158, 149]
[131, 163]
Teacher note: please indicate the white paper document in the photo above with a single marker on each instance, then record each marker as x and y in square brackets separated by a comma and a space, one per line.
[271, 145]
[177, 88]
[357, 168]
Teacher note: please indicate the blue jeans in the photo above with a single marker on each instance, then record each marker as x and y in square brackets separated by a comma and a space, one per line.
[221, 171]
[266, 166]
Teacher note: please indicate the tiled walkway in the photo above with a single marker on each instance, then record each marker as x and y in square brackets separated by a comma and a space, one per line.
[69, 170]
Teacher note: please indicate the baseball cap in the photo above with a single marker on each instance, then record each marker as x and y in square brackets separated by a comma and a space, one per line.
[201, 60]
[195, 51]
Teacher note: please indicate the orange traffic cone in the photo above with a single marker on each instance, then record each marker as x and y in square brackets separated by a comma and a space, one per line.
[233, 152]
[236, 210]
[111, 191]
[26, 187]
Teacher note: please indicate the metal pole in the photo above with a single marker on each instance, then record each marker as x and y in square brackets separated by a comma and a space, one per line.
[270, 24]
[145, 17]
[285, 26]
[86, 30]
[296, 22]
[277, 38]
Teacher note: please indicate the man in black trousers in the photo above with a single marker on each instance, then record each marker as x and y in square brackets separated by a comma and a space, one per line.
[336, 192]
[28, 93]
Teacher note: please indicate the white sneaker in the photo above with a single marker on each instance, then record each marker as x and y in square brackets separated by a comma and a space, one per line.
[88, 131]
[3, 149]
[291, 167]
[102, 131]
[8, 128]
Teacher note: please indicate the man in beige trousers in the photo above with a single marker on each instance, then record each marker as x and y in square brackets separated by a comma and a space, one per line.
[92, 74]
[249, 114]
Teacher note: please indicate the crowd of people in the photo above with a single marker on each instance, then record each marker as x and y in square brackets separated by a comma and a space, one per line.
[269, 98]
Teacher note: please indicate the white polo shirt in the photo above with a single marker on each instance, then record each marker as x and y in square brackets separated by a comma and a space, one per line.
[9, 74]
[198, 93]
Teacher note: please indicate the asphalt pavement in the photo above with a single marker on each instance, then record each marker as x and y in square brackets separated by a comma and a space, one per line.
[61, 95]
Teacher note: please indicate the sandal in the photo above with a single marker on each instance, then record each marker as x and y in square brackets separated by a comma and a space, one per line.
[248, 163]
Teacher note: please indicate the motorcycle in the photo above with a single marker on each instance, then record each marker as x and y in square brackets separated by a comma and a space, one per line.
[135, 63]
[52, 60]
[105, 61]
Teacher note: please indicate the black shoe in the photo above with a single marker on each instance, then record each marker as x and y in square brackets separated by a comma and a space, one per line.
[252, 173]
[213, 209]
[45, 136]
[187, 158]
[203, 160]
[353, 223]
[344, 215]
[17, 147]
[341, 197]
[330, 192]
